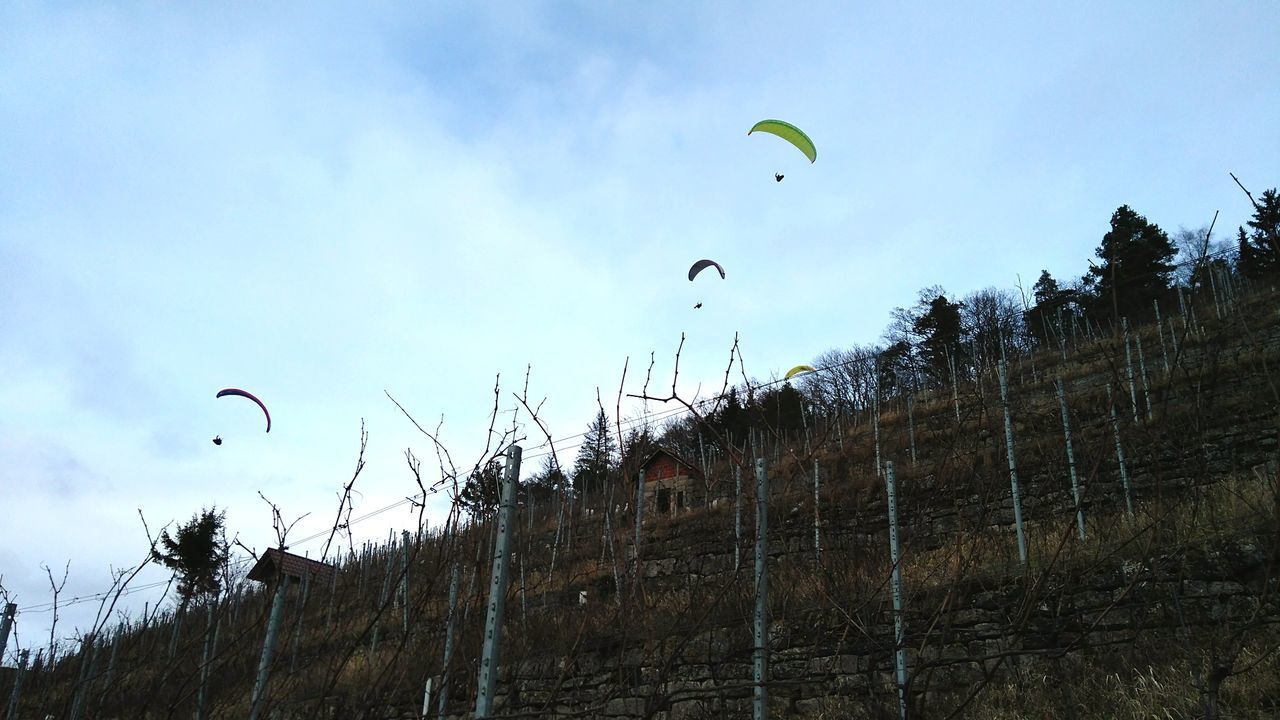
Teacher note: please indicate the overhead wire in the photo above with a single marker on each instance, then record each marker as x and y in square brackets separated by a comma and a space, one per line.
[628, 424]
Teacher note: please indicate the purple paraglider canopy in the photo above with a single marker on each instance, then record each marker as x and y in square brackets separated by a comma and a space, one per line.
[251, 396]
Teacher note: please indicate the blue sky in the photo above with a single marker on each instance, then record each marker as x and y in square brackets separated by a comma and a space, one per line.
[320, 204]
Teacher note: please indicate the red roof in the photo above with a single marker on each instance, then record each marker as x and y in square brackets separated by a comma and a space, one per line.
[275, 561]
[659, 454]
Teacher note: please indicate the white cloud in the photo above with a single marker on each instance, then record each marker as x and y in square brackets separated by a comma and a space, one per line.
[319, 204]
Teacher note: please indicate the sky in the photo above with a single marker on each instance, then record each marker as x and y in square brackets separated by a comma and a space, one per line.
[327, 204]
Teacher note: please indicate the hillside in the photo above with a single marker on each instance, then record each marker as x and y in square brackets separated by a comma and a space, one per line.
[1166, 606]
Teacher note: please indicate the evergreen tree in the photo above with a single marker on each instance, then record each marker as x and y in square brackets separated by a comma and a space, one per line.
[545, 484]
[733, 418]
[637, 444]
[197, 555]
[1260, 247]
[781, 408]
[596, 456]
[1136, 266]
[482, 490]
[1053, 309]
[893, 370]
[939, 329]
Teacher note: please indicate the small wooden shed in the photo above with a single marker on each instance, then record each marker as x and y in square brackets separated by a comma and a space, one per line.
[275, 562]
[671, 484]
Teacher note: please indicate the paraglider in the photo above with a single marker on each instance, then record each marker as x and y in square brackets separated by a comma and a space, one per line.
[702, 265]
[790, 133]
[245, 394]
[797, 370]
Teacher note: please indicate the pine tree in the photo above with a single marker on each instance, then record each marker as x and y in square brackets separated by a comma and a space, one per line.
[596, 456]
[482, 491]
[1260, 247]
[1136, 266]
[547, 482]
[939, 330]
[1054, 305]
[197, 555]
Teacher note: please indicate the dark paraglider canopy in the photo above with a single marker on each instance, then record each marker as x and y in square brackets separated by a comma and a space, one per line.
[249, 395]
[702, 265]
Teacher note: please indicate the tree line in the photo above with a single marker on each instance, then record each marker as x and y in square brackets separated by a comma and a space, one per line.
[940, 340]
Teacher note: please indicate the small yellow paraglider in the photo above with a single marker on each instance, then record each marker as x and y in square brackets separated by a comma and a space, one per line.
[798, 370]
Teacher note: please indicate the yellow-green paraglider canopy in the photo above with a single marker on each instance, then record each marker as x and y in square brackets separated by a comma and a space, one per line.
[797, 370]
[790, 133]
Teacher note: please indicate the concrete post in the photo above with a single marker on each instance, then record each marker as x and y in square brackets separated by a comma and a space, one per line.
[639, 517]
[6, 624]
[817, 515]
[1128, 369]
[498, 588]
[1142, 366]
[737, 518]
[297, 628]
[1013, 465]
[451, 623]
[1071, 455]
[268, 648]
[1124, 469]
[212, 623]
[899, 628]
[875, 425]
[1164, 351]
[760, 635]
[16, 694]
[911, 425]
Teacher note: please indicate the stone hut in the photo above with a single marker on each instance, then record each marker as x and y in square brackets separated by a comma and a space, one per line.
[671, 484]
[275, 563]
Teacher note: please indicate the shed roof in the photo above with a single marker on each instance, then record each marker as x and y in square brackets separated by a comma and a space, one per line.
[653, 456]
[295, 567]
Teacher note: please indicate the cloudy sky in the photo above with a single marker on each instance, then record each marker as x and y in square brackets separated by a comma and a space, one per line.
[323, 204]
